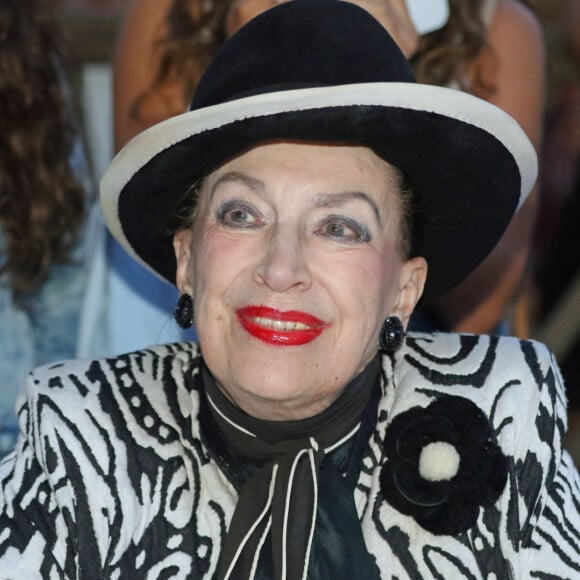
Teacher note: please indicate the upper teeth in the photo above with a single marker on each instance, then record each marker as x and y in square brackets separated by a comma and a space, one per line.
[279, 324]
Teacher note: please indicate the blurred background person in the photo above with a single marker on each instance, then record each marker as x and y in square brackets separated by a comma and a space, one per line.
[43, 192]
[557, 274]
[126, 307]
[502, 60]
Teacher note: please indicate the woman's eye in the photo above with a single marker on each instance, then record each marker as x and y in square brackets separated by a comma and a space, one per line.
[235, 214]
[344, 229]
[239, 216]
[336, 230]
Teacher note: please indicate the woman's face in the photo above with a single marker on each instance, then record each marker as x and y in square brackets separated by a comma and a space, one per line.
[293, 264]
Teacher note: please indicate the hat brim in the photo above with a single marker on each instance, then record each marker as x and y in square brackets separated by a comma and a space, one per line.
[468, 163]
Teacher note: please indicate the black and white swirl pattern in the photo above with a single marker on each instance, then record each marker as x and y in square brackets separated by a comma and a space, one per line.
[111, 478]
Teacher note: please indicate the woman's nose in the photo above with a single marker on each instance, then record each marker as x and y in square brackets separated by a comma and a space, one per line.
[283, 265]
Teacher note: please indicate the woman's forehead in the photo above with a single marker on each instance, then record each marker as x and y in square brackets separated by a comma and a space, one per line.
[319, 165]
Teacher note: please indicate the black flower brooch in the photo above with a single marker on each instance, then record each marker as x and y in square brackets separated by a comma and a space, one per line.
[442, 465]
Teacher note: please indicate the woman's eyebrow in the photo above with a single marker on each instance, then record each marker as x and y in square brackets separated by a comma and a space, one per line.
[320, 199]
[338, 199]
[251, 182]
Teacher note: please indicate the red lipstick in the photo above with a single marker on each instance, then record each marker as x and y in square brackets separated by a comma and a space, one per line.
[288, 328]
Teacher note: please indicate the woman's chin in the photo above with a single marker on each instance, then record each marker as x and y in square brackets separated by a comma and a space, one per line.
[280, 394]
[277, 381]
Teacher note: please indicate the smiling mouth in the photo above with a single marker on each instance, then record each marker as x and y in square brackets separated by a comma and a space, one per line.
[279, 324]
[285, 328]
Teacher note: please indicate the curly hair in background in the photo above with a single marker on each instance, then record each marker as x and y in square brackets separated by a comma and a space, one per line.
[448, 56]
[41, 201]
[196, 31]
[457, 54]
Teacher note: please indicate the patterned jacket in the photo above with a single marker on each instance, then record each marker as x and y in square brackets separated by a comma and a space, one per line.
[111, 478]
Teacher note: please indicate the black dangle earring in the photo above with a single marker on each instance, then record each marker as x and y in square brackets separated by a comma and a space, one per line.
[391, 335]
[184, 311]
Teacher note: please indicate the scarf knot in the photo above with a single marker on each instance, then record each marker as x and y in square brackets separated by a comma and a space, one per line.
[274, 530]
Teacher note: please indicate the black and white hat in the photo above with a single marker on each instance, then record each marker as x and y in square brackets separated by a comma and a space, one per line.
[326, 71]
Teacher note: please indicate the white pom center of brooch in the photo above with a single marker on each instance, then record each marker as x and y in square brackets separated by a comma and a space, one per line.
[439, 461]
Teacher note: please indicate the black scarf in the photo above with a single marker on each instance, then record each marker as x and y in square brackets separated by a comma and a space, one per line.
[295, 517]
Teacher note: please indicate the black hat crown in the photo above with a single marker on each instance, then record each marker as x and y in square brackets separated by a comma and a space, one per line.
[327, 44]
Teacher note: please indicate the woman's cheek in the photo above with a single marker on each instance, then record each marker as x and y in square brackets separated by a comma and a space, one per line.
[221, 256]
[368, 265]
[378, 275]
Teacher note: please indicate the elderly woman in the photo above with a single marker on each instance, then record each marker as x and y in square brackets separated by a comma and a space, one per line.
[310, 185]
